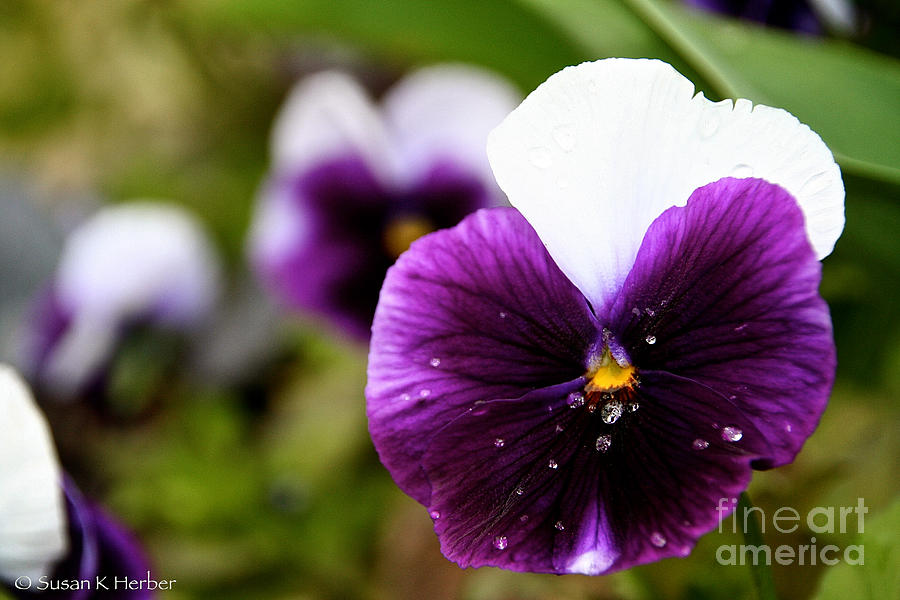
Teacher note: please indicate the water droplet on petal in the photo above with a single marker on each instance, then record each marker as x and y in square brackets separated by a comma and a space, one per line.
[788, 427]
[405, 397]
[500, 542]
[499, 442]
[650, 311]
[633, 406]
[559, 428]
[502, 315]
[575, 400]
[552, 464]
[732, 434]
[700, 444]
[564, 135]
[636, 312]
[650, 339]
[559, 525]
[523, 518]
[657, 539]
[520, 490]
[435, 514]
[604, 442]
[424, 393]
[611, 412]
[741, 171]
[435, 362]
[540, 157]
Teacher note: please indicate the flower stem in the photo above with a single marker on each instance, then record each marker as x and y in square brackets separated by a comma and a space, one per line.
[761, 571]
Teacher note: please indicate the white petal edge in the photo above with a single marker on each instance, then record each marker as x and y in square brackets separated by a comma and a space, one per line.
[599, 150]
[327, 115]
[446, 112]
[33, 534]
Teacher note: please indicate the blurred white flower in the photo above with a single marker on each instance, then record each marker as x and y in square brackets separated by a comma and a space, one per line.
[133, 263]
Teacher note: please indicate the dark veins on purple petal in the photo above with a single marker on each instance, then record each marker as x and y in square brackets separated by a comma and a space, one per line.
[359, 227]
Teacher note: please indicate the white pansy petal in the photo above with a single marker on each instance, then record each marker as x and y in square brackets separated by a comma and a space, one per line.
[279, 224]
[446, 112]
[327, 115]
[138, 259]
[32, 510]
[599, 150]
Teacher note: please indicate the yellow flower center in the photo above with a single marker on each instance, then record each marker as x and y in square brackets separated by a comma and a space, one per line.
[403, 231]
[606, 375]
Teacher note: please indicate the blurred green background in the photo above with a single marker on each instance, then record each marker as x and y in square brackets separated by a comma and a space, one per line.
[254, 477]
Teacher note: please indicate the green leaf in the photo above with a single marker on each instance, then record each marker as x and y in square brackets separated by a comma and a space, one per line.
[878, 577]
[845, 93]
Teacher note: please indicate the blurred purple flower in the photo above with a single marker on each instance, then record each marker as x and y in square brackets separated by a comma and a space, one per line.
[352, 185]
[573, 387]
[136, 263]
[799, 15]
[48, 531]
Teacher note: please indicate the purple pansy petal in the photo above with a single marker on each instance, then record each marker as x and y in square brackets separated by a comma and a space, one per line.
[787, 14]
[447, 192]
[333, 264]
[49, 321]
[99, 547]
[536, 484]
[120, 552]
[329, 252]
[503, 490]
[470, 314]
[725, 292]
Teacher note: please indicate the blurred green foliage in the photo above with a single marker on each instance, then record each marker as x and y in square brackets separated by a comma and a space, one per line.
[270, 488]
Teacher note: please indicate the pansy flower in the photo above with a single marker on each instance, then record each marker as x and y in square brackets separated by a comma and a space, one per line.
[352, 185]
[573, 384]
[141, 263]
[50, 533]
